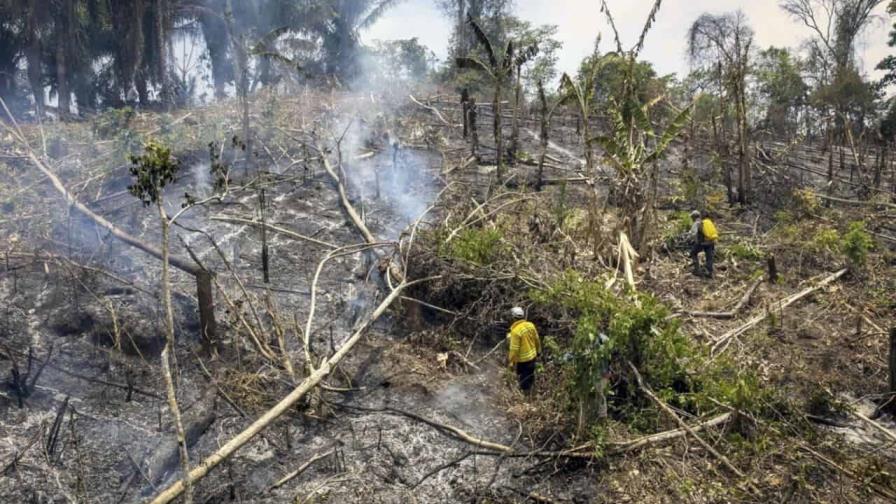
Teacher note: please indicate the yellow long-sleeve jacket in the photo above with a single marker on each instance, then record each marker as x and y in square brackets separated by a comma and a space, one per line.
[524, 342]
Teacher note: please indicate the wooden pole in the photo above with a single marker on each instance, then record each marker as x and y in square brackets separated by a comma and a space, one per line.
[892, 361]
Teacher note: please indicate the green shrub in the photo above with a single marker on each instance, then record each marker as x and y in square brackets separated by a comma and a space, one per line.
[744, 252]
[679, 224]
[113, 121]
[612, 330]
[857, 242]
[476, 245]
[825, 240]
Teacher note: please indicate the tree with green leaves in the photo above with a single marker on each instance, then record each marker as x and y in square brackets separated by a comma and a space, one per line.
[152, 171]
[781, 90]
[499, 69]
[723, 42]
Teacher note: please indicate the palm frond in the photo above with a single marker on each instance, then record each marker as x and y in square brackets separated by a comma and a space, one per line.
[484, 41]
[527, 55]
[269, 38]
[508, 56]
[606, 11]
[376, 12]
[472, 63]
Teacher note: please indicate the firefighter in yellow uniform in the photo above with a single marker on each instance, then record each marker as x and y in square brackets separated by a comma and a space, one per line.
[704, 236]
[525, 345]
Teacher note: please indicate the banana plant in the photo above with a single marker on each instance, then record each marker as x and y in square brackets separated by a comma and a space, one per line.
[631, 147]
[632, 142]
[581, 93]
[499, 70]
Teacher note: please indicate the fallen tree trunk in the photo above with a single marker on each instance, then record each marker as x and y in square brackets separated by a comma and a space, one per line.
[737, 308]
[240, 440]
[665, 407]
[667, 435]
[777, 308]
[203, 277]
[393, 270]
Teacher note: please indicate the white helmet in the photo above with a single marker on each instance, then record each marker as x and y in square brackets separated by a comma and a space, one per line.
[517, 313]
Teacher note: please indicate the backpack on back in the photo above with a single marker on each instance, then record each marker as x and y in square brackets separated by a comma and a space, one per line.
[710, 233]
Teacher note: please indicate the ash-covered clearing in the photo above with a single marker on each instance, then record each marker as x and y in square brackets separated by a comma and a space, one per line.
[116, 441]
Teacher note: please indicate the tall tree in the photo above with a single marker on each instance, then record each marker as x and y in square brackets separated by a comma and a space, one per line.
[724, 42]
[781, 89]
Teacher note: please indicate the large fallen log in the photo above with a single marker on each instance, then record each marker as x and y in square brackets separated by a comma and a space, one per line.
[241, 439]
[722, 343]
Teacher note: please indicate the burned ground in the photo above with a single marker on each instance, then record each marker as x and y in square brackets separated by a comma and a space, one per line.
[82, 323]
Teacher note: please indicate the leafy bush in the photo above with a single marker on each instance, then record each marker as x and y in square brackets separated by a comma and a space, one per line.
[479, 246]
[744, 252]
[825, 240]
[857, 242]
[613, 330]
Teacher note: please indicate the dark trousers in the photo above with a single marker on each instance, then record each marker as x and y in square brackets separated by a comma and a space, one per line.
[525, 372]
[709, 249]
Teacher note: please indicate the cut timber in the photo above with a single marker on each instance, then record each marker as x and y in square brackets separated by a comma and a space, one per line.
[240, 440]
[737, 308]
[722, 343]
[881, 204]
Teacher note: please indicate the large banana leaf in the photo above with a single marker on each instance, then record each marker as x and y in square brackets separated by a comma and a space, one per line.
[672, 131]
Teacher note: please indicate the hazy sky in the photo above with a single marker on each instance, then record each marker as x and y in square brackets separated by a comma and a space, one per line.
[580, 21]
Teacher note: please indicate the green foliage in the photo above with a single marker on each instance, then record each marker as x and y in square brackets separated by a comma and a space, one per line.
[680, 225]
[152, 171]
[744, 252]
[479, 246]
[825, 240]
[781, 88]
[857, 242]
[613, 330]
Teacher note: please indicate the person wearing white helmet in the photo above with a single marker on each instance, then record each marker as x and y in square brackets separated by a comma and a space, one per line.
[525, 345]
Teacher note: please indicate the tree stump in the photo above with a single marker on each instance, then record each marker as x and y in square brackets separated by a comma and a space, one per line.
[772, 269]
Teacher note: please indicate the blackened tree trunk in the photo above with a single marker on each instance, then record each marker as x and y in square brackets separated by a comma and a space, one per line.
[33, 54]
[499, 135]
[474, 129]
[214, 30]
[543, 137]
[515, 131]
[891, 408]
